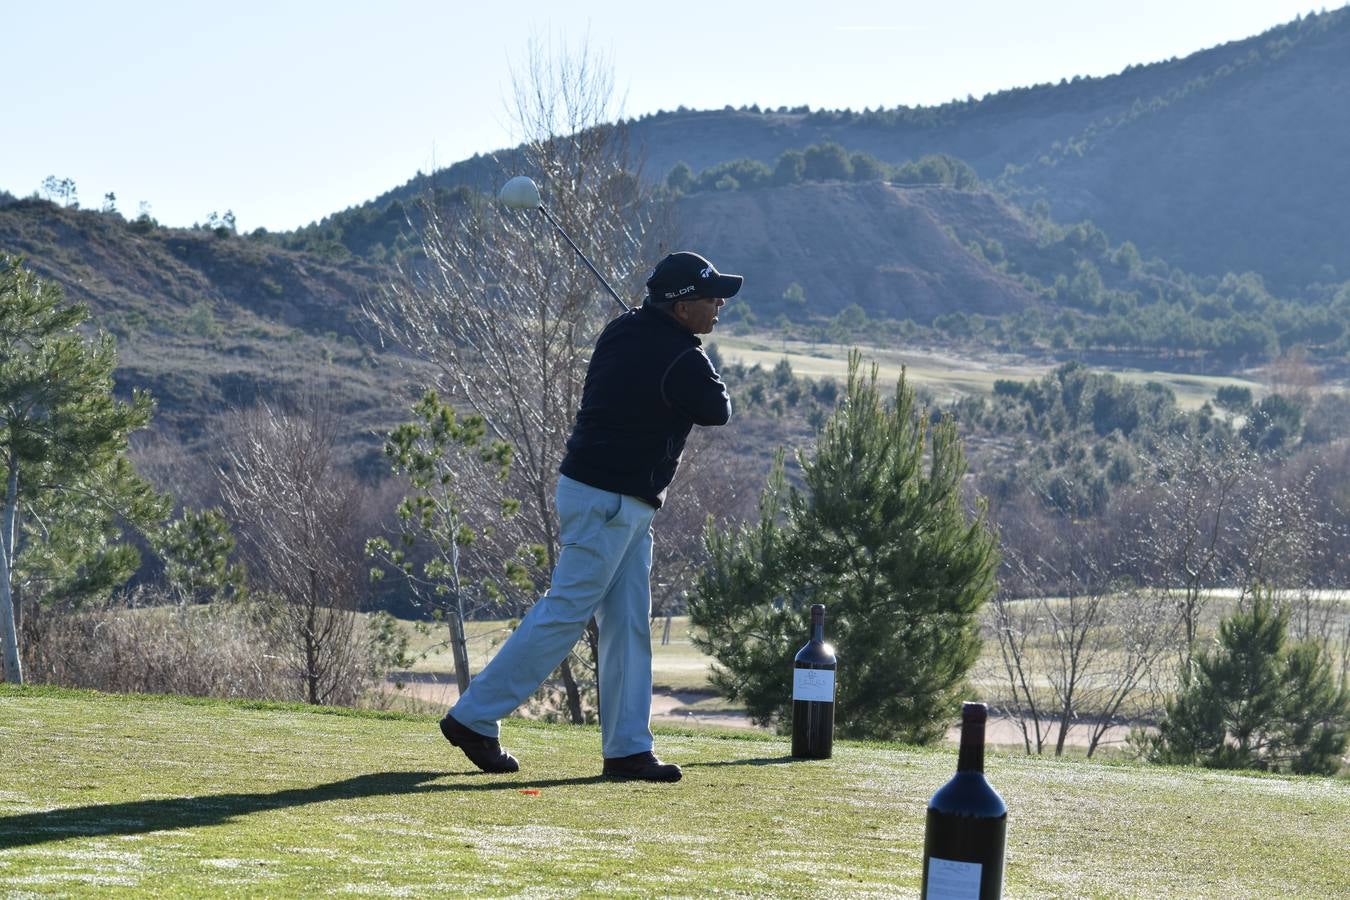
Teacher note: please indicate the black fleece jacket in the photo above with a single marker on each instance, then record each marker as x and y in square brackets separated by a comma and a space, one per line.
[649, 382]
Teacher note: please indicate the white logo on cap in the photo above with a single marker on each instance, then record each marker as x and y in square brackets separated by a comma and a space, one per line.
[706, 273]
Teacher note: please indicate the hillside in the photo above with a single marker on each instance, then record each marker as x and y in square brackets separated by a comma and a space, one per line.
[207, 321]
[1014, 126]
[890, 250]
[135, 795]
[143, 278]
[1231, 159]
[1244, 168]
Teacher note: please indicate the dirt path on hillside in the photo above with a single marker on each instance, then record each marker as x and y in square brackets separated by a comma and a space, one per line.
[680, 708]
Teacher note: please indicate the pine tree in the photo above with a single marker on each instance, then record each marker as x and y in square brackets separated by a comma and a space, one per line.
[879, 533]
[1255, 702]
[456, 479]
[63, 441]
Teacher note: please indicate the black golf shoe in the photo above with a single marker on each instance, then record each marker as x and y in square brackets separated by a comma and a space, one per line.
[484, 752]
[642, 767]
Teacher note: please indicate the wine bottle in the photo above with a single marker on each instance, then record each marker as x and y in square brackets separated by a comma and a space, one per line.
[813, 693]
[966, 831]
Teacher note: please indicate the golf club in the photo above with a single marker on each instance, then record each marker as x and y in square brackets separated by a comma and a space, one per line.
[522, 193]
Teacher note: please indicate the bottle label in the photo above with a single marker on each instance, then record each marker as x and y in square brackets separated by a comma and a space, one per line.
[952, 880]
[813, 684]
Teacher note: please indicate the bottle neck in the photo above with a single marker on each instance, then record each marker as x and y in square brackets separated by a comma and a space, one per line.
[818, 624]
[972, 746]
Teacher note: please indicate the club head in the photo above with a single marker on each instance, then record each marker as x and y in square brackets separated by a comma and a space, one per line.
[520, 193]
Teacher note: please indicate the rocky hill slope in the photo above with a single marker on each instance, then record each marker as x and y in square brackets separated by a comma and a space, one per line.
[207, 321]
[892, 251]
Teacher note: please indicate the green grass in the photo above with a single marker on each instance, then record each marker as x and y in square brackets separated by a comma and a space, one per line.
[429, 647]
[678, 665]
[948, 374]
[158, 796]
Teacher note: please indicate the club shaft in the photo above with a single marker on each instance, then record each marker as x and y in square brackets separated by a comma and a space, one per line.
[594, 270]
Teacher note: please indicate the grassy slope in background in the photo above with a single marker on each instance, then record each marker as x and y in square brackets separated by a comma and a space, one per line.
[949, 374]
[184, 798]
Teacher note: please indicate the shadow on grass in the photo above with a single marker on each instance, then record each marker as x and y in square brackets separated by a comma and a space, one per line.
[140, 816]
[526, 785]
[754, 761]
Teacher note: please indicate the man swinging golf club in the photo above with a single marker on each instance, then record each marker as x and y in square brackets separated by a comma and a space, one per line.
[649, 382]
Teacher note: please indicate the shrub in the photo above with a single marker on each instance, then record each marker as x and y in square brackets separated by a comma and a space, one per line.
[216, 649]
[1255, 702]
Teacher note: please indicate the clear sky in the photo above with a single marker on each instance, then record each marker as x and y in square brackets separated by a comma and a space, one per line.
[286, 110]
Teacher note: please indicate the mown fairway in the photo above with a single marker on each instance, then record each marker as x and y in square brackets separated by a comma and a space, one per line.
[946, 374]
[103, 794]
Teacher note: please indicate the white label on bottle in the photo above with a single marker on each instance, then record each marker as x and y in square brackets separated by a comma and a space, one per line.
[813, 684]
[952, 880]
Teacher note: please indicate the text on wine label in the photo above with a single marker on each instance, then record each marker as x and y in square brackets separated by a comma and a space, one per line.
[813, 684]
[952, 880]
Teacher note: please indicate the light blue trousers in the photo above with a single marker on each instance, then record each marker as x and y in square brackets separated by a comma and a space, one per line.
[604, 570]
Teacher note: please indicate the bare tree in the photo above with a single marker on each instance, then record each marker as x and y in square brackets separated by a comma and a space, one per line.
[718, 481]
[1106, 647]
[1304, 512]
[1325, 470]
[1180, 523]
[1292, 376]
[1081, 647]
[1015, 627]
[501, 307]
[1279, 532]
[296, 506]
[1089, 610]
[1212, 518]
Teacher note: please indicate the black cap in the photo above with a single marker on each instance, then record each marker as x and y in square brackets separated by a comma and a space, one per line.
[688, 276]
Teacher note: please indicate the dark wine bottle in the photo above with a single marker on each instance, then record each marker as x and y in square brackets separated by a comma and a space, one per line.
[967, 825]
[813, 693]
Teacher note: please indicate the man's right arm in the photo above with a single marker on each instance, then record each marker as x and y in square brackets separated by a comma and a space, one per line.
[692, 386]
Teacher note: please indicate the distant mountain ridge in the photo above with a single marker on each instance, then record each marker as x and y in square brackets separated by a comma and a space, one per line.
[1235, 158]
[977, 131]
[1245, 168]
